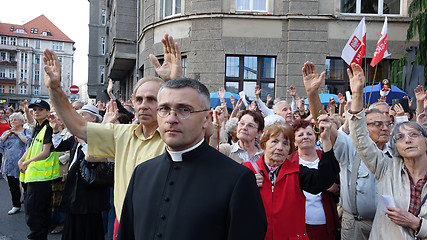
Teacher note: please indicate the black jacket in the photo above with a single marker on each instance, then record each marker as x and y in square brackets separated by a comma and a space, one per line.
[206, 196]
[78, 197]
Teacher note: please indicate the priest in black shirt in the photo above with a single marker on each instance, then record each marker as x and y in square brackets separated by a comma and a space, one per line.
[192, 191]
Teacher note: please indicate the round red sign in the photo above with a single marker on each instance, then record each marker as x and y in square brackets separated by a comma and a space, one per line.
[74, 89]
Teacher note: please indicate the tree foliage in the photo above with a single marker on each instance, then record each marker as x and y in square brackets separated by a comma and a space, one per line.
[417, 27]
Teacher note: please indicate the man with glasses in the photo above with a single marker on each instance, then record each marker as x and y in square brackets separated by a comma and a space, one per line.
[358, 188]
[129, 145]
[192, 191]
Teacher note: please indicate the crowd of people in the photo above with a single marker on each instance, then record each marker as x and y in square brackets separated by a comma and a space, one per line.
[270, 170]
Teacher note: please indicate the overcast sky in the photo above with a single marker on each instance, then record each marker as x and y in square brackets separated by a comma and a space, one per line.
[70, 16]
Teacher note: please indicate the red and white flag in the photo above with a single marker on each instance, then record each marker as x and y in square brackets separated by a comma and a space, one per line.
[381, 49]
[355, 48]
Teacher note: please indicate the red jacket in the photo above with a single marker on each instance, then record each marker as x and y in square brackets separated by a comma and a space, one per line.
[285, 204]
[328, 200]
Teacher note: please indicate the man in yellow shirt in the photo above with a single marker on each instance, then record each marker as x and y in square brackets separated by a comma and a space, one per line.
[129, 145]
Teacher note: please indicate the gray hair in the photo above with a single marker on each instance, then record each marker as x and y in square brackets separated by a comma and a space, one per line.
[372, 110]
[376, 104]
[230, 125]
[272, 119]
[277, 105]
[191, 83]
[18, 115]
[396, 130]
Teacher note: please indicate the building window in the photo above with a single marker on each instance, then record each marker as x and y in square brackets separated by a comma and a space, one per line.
[251, 5]
[23, 89]
[12, 41]
[36, 75]
[171, 7]
[244, 72]
[103, 17]
[22, 73]
[11, 89]
[47, 34]
[36, 90]
[4, 40]
[25, 42]
[2, 73]
[380, 7]
[37, 43]
[57, 46]
[184, 66]
[101, 74]
[1, 88]
[102, 45]
[12, 57]
[24, 57]
[60, 61]
[36, 59]
[3, 56]
[336, 79]
[25, 73]
[11, 74]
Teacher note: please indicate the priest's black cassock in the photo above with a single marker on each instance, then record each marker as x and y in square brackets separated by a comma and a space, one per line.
[206, 196]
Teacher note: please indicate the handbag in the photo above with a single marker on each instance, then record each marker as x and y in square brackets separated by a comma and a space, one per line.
[97, 174]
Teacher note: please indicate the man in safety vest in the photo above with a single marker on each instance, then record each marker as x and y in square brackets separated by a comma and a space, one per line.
[39, 166]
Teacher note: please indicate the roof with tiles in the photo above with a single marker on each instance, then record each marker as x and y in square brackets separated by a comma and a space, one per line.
[40, 27]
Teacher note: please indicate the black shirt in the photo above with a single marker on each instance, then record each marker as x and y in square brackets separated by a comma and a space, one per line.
[49, 131]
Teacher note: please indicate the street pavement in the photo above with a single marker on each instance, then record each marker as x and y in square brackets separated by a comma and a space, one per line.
[13, 227]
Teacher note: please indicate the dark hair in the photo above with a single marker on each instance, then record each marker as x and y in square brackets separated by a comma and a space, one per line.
[191, 83]
[124, 118]
[275, 130]
[301, 123]
[256, 116]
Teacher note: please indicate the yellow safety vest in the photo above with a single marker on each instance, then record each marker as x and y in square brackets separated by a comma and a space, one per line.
[42, 170]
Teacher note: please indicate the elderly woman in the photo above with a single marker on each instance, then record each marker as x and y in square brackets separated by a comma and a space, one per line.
[403, 179]
[249, 128]
[13, 144]
[283, 181]
[321, 212]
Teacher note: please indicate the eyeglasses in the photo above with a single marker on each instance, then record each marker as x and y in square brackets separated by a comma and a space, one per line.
[400, 137]
[380, 124]
[182, 112]
[248, 125]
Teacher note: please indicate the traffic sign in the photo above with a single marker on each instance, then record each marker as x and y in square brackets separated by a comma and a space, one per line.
[74, 89]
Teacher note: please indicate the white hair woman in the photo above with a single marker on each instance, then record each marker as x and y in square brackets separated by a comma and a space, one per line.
[13, 144]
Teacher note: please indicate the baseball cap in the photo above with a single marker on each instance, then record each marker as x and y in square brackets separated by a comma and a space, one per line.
[40, 103]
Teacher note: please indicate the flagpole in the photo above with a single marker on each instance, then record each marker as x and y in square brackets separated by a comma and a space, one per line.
[372, 86]
[365, 81]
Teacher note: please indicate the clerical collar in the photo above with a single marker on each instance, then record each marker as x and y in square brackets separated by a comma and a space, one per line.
[177, 156]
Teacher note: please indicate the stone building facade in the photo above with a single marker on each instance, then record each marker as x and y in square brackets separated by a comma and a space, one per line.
[21, 59]
[238, 44]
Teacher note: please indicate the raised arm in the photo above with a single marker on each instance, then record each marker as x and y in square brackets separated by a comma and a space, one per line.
[420, 95]
[374, 158]
[357, 80]
[74, 122]
[312, 82]
[110, 89]
[172, 65]
[27, 112]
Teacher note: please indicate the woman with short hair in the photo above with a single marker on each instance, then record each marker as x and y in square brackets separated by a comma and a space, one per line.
[283, 181]
[13, 144]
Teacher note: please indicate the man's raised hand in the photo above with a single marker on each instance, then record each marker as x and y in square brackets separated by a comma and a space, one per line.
[172, 65]
[52, 69]
[312, 80]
